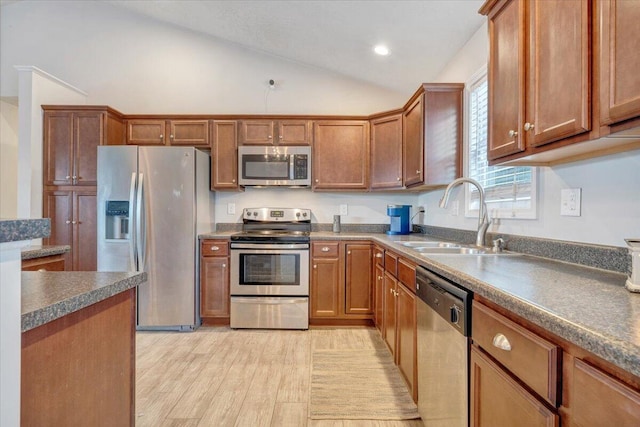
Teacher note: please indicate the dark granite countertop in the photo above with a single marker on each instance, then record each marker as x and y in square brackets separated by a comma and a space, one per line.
[47, 296]
[31, 252]
[13, 230]
[586, 306]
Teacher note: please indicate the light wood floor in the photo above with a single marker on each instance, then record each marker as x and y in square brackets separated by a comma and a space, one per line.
[223, 377]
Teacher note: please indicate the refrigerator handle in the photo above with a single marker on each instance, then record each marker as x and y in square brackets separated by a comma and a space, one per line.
[132, 224]
[140, 225]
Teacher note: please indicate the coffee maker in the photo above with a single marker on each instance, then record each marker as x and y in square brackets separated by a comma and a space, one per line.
[400, 219]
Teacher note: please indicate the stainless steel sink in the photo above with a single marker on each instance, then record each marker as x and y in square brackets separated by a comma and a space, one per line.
[427, 245]
[462, 251]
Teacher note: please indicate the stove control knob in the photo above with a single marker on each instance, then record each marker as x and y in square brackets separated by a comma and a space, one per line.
[304, 214]
[248, 213]
[297, 214]
[255, 214]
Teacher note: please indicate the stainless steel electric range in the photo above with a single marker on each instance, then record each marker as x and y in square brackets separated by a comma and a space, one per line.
[270, 269]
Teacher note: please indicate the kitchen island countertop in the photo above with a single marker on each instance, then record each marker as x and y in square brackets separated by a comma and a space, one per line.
[32, 252]
[47, 296]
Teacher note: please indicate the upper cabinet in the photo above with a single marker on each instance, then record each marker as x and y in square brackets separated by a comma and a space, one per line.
[224, 155]
[386, 152]
[168, 132]
[340, 155]
[71, 140]
[619, 60]
[432, 135]
[559, 72]
[275, 132]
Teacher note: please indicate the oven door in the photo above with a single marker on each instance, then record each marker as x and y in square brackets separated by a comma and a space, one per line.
[269, 269]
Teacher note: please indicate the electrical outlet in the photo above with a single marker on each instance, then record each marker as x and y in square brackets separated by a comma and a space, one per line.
[570, 200]
[344, 209]
[231, 208]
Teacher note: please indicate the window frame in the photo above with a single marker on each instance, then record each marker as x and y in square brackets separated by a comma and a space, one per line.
[532, 212]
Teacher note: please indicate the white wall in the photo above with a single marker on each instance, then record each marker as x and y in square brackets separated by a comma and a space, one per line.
[138, 65]
[369, 208]
[610, 185]
[9, 158]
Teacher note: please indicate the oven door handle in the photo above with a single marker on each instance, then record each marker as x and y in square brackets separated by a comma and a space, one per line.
[274, 301]
[269, 246]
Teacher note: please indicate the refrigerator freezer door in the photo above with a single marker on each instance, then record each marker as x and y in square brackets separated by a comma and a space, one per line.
[167, 299]
[116, 166]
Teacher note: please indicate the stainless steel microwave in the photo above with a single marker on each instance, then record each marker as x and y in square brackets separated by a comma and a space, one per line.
[274, 165]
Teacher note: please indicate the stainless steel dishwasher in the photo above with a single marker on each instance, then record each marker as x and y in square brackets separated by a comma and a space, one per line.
[444, 326]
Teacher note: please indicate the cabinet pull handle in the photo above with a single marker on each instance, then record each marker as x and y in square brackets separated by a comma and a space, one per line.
[325, 249]
[501, 342]
[528, 126]
[215, 248]
[513, 133]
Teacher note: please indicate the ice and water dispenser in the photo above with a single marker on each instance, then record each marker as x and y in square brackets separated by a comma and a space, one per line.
[400, 219]
[117, 220]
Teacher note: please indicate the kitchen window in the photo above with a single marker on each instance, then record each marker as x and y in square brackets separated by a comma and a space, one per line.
[510, 191]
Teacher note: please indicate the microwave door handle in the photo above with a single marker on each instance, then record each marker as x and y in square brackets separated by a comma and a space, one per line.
[291, 165]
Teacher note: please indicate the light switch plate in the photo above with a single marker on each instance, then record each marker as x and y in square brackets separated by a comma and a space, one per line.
[570, 201]
[344, 209]
[231, 208]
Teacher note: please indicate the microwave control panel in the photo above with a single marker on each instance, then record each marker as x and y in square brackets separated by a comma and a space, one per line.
[301, 166]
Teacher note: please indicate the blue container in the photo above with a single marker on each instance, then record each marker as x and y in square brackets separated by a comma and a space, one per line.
[400, 219]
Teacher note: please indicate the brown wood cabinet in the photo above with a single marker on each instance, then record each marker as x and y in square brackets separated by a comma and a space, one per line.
[71, 140]
[73, 222]
[224, 155]
[270, 132]
[341, 290]
[168, 132]
[618, 62]
[390, 306]
[432, 135]
[80, 369]
[340, 155]
[498, 400]
[47, 263]
[386, 152]
[378, 286]
[214, 282]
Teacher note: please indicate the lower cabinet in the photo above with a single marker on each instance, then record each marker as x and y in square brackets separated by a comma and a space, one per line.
[341, 290]
[214, 282]
[498, 400]
[73, 222]
[47, 263]
[389, 329]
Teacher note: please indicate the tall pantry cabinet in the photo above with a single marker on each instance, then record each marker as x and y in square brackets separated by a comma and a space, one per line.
[70, 146]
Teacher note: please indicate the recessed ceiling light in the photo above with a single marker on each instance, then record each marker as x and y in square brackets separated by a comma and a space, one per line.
[381, 50]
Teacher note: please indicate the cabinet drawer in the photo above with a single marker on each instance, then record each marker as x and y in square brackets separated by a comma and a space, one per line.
[214, 248]
[391, 263]
[529, 357]
[407, 274]
[325, 249]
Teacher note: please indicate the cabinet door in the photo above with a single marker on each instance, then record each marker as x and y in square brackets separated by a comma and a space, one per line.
[386, 152]
[58, 147]
[506, 79]
[189, 132]
[497, 400]
[294, 132]
[58, 206]
[379, 299]
[558, 85]
[85, 229]
[341, 155]
[413, 140]
[406, 341]
[146, 132]
[214, 287]
[358, 290]
[596, 399]
[88, 129]
[325, 287]
[390, 291]
[256, 132]
[224, 156]
[619, 60]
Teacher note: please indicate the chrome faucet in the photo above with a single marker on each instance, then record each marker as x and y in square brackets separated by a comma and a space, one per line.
[483, 216]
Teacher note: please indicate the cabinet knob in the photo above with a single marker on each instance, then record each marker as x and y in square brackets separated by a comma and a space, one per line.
[233, 180]
[398, 179]
[325, 249]
[215, 248]
[171, 136]
[67, 222]
[269, 137]
[513, 133]
[348, 252]
[417, 171]
[528, 126]
[74, 177]
[42, 269]
[317, 180]
[74, 222]
[161, 136]
[501, 342]
[280, 136]
[378, 255]
[315, 265]
[67, 177]
[224, 265]
[379, 277]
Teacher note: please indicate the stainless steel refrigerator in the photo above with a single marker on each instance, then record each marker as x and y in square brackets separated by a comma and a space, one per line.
[152, 204]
